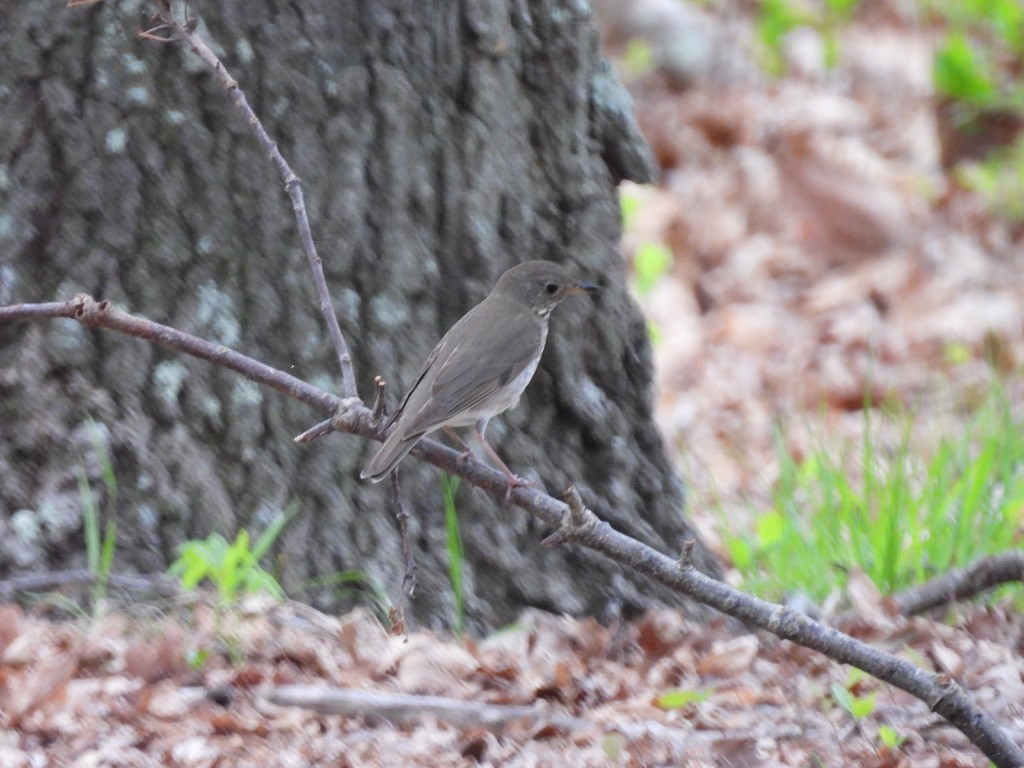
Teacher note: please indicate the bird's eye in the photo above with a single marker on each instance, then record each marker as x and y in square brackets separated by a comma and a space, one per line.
[551, 288]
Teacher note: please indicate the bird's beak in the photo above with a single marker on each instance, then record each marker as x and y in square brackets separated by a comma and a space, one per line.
[582, 288]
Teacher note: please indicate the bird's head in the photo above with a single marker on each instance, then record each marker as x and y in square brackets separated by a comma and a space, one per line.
[541, 285]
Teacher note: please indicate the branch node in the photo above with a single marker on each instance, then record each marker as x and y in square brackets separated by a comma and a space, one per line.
[339, 421]
[577, 521]
[685, 561]
[88, 311]
[347, 409]
[576, 508]
[380, 405]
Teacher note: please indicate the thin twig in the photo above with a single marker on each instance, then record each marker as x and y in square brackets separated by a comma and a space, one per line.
[409, 582]
[187, 34]
[404, 708]
[321, 429]
[576, 524]
[401, 708]
[962, 583]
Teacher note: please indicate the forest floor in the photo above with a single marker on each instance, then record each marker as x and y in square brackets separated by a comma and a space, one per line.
[662, 691]
[820, 251]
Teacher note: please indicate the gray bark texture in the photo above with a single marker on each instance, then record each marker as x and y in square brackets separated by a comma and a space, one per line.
[438, 143]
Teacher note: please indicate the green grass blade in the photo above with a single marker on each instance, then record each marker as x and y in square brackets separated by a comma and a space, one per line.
[449, 487]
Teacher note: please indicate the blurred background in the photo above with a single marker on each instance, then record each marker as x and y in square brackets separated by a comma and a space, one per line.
[837, 223]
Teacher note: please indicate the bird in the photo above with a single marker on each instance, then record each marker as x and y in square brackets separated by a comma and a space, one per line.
[481, 366]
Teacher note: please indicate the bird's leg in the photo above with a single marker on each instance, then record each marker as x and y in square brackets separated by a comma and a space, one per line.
[467, 452]
[514, 480]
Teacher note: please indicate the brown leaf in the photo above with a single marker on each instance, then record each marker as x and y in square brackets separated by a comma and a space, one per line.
[434, 667]
[730, 657]
[44, 684]
[12, 620]
[946, 659]
[156, 661]
[867, 600]
[659, 632]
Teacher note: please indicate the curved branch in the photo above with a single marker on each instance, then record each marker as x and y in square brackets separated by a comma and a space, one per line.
[576, 524]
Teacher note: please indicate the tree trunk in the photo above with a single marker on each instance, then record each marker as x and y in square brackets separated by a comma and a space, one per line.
[438, 143]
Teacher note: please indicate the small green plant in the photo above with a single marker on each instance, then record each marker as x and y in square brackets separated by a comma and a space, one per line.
[456, 555]
[858, 706]
[196, 658]
[99, 548]
[889, 737]
[897, 516]
[650, 263]
[232, 567]
[638, 58]
[651, 260]
[629, 204]
[976, 69]
[961, 72]
[998, 179]
[777, 18]
[682, 697]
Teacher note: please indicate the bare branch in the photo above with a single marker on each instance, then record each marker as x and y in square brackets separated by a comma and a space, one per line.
[575, 524]
[409, 582]
[957, 584]
[402, 708]
[186, 33]
[323, 429]
[102, 314]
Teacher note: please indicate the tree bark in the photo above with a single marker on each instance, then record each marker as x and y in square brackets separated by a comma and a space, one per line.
[438, 143]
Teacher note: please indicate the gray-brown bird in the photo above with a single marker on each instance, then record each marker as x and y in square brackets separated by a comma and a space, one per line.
[482, 365]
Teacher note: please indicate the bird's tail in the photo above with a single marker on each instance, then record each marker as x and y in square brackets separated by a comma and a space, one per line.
[386, 459]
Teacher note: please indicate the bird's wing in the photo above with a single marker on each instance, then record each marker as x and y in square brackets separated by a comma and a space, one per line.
[419, 380]
[473, 370]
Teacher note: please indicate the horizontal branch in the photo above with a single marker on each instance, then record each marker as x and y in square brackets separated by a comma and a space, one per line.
[155, 584]
[102, 314]
[402, 708]
[574, 524]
